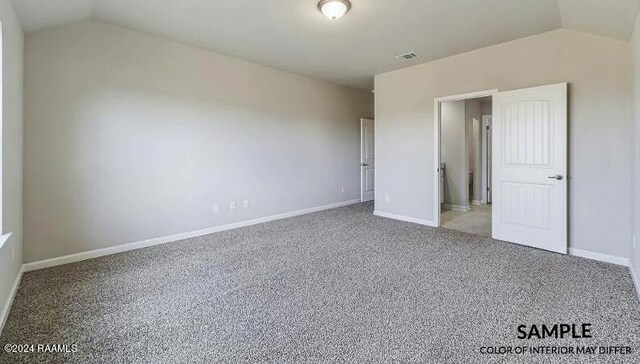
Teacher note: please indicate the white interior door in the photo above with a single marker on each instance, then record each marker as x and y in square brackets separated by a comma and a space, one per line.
[367, 160]
[530, 167]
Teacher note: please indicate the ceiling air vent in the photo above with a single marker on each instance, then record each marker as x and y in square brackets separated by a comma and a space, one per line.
[408, 56]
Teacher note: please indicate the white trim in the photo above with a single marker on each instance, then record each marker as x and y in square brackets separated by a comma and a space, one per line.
[477, 202]
[4, 238]
[636, 279]
[362, 182]
[599, 256]
[436, 144]
[484, 183]
[176, 237]
[7, 306]
[414, 220]
[456, 207]
[467, 96]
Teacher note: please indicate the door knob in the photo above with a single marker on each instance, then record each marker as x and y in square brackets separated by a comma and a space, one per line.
[364, 164]
[559, 177]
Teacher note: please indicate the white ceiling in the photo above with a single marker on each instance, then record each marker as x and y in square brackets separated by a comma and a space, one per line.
[293, 35]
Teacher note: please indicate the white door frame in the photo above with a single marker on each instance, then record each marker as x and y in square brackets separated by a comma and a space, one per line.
[436, 136]
[485, 183]
[362, 181]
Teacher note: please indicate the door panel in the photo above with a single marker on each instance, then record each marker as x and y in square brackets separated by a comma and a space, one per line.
[367, 139]
[529, 151]
[526, 204]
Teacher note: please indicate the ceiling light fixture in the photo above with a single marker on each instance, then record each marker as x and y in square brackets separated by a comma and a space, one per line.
[334, 9]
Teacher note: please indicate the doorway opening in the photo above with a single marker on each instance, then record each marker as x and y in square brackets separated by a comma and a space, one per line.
[525, 169]
[465, 163]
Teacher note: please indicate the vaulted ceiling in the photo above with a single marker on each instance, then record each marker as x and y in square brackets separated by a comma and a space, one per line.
[293, 35]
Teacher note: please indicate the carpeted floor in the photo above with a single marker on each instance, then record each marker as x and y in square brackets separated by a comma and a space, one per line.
[334, 286]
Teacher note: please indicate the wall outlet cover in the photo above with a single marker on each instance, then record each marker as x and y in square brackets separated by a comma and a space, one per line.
[216, 208]
[245, 204]
[232, 205]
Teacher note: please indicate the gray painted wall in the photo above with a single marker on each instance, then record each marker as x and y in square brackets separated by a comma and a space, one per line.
[12, 65]
[130, 137]
[600, 131]
[453, 152]
[635, 253]
[473, 110]
[487, 107]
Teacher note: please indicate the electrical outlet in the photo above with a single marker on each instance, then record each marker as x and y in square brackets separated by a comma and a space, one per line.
[216, 208]
[634, 243]
[387, 198]
[232, 205]
[245, 204]
[342, 189]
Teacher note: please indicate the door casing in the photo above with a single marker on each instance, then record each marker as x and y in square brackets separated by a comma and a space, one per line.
[367, 164]
[486, 161]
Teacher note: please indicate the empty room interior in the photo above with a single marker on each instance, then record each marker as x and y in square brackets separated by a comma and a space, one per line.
[305, 181]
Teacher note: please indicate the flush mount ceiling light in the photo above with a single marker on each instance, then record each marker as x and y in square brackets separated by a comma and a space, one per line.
[334, 9]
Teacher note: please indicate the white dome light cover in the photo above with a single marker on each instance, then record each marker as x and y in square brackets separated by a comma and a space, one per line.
[334, 9]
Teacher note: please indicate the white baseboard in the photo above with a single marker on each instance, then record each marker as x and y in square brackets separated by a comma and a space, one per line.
[456, 207]
[171, 238]
[477, 202]
[414, 220]
[7, 306]
[599, 256]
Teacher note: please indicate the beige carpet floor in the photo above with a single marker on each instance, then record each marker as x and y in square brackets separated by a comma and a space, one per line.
[336, 286]
[477, 221]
